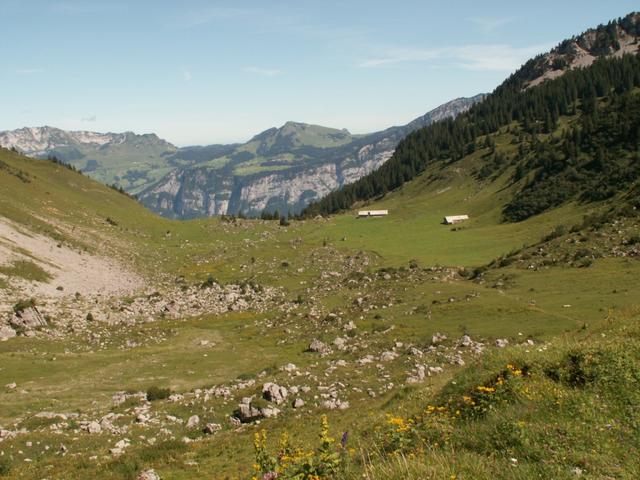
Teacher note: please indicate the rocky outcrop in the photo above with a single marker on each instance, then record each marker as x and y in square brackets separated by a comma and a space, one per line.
[26, 320]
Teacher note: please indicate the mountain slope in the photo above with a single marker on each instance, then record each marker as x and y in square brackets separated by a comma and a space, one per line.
[282, 168]
[126, 159]
[593, 106]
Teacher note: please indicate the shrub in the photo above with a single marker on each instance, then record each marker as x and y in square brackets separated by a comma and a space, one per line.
[157, 393]
[209, 282]
[5, 466]
[22, 305]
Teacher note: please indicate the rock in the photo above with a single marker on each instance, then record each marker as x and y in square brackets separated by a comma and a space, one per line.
[435, 370]
[298, 403]
[248, 413]
[119, 447]
[148, 475]
[366, 359]
[274, 393]
[319, 347]
[235, 422]
[388, 356]
[11, 386]
[27, 319]
[502, 342]
[6, 332]
[350, 326]
[465, 341]
[91, 427]
[193, 421]
[268, 412]
[335, 403]
[289, 367]
[340, 343]
[211, 428]
[438, 338]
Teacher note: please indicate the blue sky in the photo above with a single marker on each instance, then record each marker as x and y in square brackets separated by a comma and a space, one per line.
[200, 72]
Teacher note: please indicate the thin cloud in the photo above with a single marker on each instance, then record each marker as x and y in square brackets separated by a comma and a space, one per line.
[499, 57]
[265, 72]
[490, 24]
[28, 71]
[187, 76]
[84, 8]
[203, 16]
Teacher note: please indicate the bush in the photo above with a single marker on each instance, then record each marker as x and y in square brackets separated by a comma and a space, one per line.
[22, 305]
[209, 282]
[157, 393]
[5, 466]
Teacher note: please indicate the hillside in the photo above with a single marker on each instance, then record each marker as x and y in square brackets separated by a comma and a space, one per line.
[337, 347]
[128, 160]
[590, 101]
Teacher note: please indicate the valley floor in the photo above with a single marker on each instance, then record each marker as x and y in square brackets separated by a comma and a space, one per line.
[229, 327]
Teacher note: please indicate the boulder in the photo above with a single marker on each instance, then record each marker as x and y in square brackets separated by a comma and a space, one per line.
[319, 347]
[27, 319]
[91, 427]
[274, 393]
[193, 421]
[248, 413]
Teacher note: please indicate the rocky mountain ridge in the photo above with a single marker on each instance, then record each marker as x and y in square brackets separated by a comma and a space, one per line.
[283, 169]
[279, 169]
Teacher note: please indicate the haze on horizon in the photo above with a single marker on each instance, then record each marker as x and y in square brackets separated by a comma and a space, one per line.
[220, 72]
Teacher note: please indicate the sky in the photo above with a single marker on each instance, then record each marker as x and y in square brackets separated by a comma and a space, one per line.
[203, 72]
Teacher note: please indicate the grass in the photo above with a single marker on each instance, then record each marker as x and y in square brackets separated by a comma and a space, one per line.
[569, 307]
[27, 270]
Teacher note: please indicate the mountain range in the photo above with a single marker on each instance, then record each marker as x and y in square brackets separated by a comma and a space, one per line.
[280, 169]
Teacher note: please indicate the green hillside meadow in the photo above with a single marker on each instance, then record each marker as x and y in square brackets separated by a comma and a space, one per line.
[407, 348]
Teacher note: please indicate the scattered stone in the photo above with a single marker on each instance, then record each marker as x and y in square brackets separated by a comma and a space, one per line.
[290, 368]
[6, 332]
[148, 475]
[91, 427]
[211, 428]
[502, 342]
[388, 356]
[340, 343]
[319, 347]
[193, 421]
[298, 403]
[438, 338]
